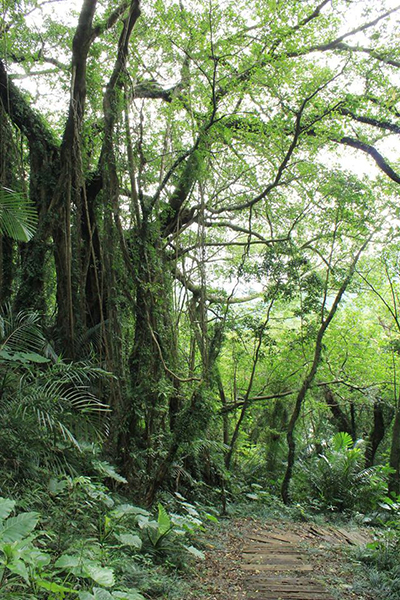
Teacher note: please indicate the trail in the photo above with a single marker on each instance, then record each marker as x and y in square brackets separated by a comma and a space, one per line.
[277, 561]
[278, 567]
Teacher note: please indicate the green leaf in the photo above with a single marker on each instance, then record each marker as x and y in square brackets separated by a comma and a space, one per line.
[129, 509]
[128, 539]
[131, 595]
[18, 567]
[36, 558]
[212, 518]
[4, 355]
[190, 509]
[342, 441]
[196, 552]
[100, 594]
[8, 551]
[32, 357]
[164, 522]
[16, 528]
[144, 522]
[6, 507]
[68, 561]
[252, 496]
[385, 506]
[23, 357]
[108, 470]
[56, 487]
[18, 216]
[101, 575]
[53, 587]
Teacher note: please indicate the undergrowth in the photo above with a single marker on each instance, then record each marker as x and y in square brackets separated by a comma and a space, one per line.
[79, 539]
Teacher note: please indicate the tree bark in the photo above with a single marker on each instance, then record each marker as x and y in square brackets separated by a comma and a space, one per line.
[340, 418]
[394, 459]
[376, 435]
[44, 164]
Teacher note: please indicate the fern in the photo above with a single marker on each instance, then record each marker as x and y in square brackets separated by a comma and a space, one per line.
[337, 476]
[53, 405]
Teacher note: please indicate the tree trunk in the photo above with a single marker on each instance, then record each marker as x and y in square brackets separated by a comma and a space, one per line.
[44, 159]
[225, 417]
[394, 459]
[8, 178]
[7, 270]
[353, 421]
[340, 418]
[376, 435]
[278, 422]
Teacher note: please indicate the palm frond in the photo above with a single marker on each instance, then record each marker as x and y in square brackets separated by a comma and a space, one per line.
[18, 216]
[342, 441]
[79, 373]
[66, 410]
[91, 338]
[20, 331]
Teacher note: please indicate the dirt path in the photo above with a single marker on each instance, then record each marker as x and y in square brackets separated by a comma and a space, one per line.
[278, 561]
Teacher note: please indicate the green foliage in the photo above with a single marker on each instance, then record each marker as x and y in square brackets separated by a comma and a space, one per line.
[20, 558]
[21, 339]
[290, 274]
[381, 573]
[50, 403]
[91, 566]
[18, 216]
[337, 479]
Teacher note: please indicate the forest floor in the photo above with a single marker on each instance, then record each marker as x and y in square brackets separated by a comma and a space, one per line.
[251, 559]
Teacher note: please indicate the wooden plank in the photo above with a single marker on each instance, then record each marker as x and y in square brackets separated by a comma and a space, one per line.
[284, 578]
[267, 548]
[290, 564]
[354, 537]
[278, 567]
[287, 588]
[265, 585]
[291, 596]
[286, 538]
[274, 556]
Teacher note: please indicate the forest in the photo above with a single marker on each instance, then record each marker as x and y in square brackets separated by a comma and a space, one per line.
[199, 284]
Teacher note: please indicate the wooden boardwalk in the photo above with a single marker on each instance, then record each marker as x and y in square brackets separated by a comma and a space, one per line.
[277, 566]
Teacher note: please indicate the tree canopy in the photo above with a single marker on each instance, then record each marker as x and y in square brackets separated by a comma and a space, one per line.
[216, 194]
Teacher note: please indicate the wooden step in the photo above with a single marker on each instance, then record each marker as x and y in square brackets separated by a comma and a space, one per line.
[278, 567]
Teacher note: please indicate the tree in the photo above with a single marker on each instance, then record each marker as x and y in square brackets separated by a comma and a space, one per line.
[191, 130]
[385, 290]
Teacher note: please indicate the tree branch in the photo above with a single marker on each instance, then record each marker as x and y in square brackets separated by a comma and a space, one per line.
[373, 152]
[22, 115]
[111, 19]
[197, 290]
[263, 398]
[298, 130]
[385, 125]
[40, 57]
[370, 51]
[335, 43]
